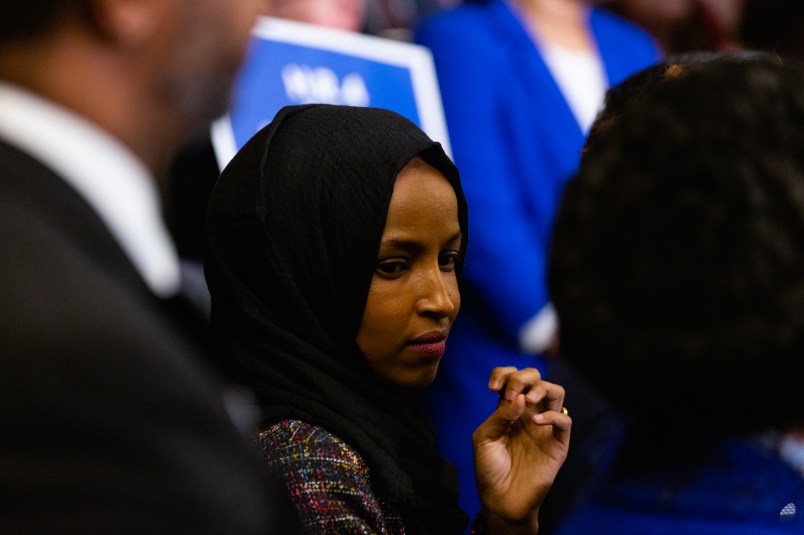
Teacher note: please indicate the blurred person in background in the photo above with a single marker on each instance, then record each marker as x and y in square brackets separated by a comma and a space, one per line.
[521, 81]
[726, 16]
[685, 25]
[345, 15]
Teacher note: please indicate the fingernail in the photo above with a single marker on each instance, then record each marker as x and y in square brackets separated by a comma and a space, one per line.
[538, 417]
[510, 394]
[494, 384]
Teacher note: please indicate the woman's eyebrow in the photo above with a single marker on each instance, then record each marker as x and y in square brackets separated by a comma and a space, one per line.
[413, 245]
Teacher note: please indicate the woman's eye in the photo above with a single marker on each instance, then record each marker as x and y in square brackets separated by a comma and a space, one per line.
[391, 267]
[447, 261]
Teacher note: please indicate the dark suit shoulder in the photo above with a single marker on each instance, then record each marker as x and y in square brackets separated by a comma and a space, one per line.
[112, 422]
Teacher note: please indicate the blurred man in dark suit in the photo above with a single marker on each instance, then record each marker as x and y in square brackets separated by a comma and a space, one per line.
[112, 419]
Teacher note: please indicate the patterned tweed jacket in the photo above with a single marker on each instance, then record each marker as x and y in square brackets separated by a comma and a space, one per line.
[328, 481]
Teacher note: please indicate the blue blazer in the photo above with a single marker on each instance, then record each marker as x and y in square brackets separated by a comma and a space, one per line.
[516, 142]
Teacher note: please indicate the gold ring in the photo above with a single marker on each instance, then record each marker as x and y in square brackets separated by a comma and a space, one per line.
[564, 411]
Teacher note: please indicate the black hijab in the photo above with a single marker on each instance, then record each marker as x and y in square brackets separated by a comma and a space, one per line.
[293, 232]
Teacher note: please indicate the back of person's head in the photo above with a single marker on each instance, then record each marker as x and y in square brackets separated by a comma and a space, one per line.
[677, 266]
[630, 92]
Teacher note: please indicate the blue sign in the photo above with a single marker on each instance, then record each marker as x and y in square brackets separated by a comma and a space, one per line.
[294, 63]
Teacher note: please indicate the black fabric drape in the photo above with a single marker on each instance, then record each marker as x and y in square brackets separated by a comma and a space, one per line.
[293, 233]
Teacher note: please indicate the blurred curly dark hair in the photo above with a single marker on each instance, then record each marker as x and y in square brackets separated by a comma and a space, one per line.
[677, 262]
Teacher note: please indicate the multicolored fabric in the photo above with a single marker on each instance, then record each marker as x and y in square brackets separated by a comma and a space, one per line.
[328, 481]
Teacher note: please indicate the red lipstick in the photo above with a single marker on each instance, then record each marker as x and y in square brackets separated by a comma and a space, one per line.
[432, 343]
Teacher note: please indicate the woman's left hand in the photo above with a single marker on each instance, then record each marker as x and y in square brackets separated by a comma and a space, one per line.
[520, 448]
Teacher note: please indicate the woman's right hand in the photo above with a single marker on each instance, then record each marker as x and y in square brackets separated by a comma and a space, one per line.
[519, 449]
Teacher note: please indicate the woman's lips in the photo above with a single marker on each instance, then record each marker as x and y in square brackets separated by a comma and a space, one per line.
[432, 344]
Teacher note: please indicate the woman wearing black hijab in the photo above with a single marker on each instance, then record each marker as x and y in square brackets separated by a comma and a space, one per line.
[334, 245]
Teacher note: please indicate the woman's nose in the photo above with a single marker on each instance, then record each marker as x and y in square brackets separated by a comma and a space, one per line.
[436, 297]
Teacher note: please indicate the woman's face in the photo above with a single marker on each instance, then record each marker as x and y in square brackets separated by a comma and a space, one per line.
[413, 298]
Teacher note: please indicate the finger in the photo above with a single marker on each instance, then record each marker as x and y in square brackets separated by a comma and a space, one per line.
[561, 422]
[538, 392]
[499, 376]
[521, 382]
[549, 394]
